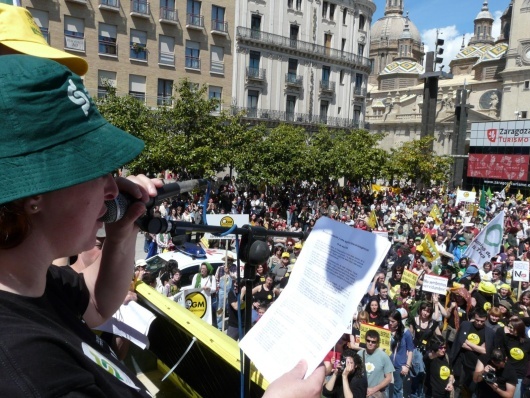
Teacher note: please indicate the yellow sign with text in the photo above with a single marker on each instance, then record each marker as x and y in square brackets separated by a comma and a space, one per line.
[385, 336]
[409, 277]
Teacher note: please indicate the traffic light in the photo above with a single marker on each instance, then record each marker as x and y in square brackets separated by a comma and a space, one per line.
[439, 51]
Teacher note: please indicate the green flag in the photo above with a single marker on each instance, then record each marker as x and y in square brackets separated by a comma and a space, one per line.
[489, 194]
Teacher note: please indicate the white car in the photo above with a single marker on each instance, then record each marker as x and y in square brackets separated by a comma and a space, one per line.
[189, 265]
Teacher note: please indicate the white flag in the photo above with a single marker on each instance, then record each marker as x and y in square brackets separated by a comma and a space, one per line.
[465, 196]
[488, 242]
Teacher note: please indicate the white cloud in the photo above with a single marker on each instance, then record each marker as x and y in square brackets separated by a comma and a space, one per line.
[453, 39]
[496, 28]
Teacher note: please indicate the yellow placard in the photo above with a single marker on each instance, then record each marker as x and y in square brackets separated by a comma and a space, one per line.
[409, 277]
[430, 252]
[385, 336]
[371, 221]
[436, 215]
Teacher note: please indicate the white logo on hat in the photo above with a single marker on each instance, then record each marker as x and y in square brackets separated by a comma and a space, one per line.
[78, 97]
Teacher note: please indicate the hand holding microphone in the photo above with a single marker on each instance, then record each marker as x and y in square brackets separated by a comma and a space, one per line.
[117, 207]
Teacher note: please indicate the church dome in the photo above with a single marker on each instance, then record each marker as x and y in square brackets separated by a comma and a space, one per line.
[390, 27]
[484, 12]
[473, 51]
[493, 53]
[408, 67]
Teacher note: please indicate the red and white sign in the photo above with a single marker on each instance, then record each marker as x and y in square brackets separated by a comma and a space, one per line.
[511, 133]
[498, 166]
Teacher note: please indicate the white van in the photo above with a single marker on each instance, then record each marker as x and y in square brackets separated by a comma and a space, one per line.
[188, 264]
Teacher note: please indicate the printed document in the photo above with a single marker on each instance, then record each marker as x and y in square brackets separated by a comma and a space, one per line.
[329, 279]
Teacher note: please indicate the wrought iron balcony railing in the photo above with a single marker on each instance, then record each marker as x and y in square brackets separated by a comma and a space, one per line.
[109, 4]
[326, 85]
[302, 46]
[255, 73]
[294, 117]
[168, 14]
[195, 21]
[293, 79]
[193, 62]
[360, 91]
[140, 7]
[219, 26]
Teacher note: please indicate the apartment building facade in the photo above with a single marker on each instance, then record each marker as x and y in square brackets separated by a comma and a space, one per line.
[143, 48]
[302, 61]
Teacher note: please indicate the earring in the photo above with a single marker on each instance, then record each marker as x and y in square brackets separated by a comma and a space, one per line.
[34, 207]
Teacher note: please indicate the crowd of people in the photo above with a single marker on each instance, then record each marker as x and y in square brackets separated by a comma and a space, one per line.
[442, 345]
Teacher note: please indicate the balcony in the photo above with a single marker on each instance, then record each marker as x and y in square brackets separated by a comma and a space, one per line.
[308, 49]
[293, 80]
[194, 21]
[219, 27]
[327, 87]
[108, 47]
[164, 100]
[193, 63]
[359, 91]
[268, 115]
[110, 5]
[139, 8]
[168, 15]
[256, 74]
[217, 67]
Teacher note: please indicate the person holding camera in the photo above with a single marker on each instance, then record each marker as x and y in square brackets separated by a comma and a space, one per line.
[347, 378]
[494, 376]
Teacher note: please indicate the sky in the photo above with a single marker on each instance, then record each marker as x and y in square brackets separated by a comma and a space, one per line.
[453, 18]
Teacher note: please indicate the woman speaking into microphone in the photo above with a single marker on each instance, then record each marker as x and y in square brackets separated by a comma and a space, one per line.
[56, 157]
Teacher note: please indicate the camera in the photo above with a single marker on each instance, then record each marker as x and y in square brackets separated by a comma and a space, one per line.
[490, 377]
[340, 365]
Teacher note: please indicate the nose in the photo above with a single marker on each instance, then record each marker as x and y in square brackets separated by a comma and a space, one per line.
[111, 189]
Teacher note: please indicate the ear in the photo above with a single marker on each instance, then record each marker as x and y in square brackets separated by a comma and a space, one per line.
[33, 204]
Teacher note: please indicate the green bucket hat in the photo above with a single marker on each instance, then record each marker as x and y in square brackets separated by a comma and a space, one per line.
[51, 134]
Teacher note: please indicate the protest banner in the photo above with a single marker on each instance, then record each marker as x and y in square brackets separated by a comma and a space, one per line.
[521, 271]
[409, 277]
[225, 220]
[488, 242]
[435, 284]
[465, 196]
[430, 252]
[385, 336]
[197, 302]
[436, 215]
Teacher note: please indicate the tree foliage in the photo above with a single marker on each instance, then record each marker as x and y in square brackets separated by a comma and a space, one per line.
[191, 136]
[415, 160]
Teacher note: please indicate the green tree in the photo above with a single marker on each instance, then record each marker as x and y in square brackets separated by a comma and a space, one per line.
[187, 136]
[196, 132]
[415, 160]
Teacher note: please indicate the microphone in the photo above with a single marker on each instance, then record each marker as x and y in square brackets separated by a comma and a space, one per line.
[117, 207]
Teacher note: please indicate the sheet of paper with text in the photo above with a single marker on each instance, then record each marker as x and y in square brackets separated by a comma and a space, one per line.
[329, 279]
